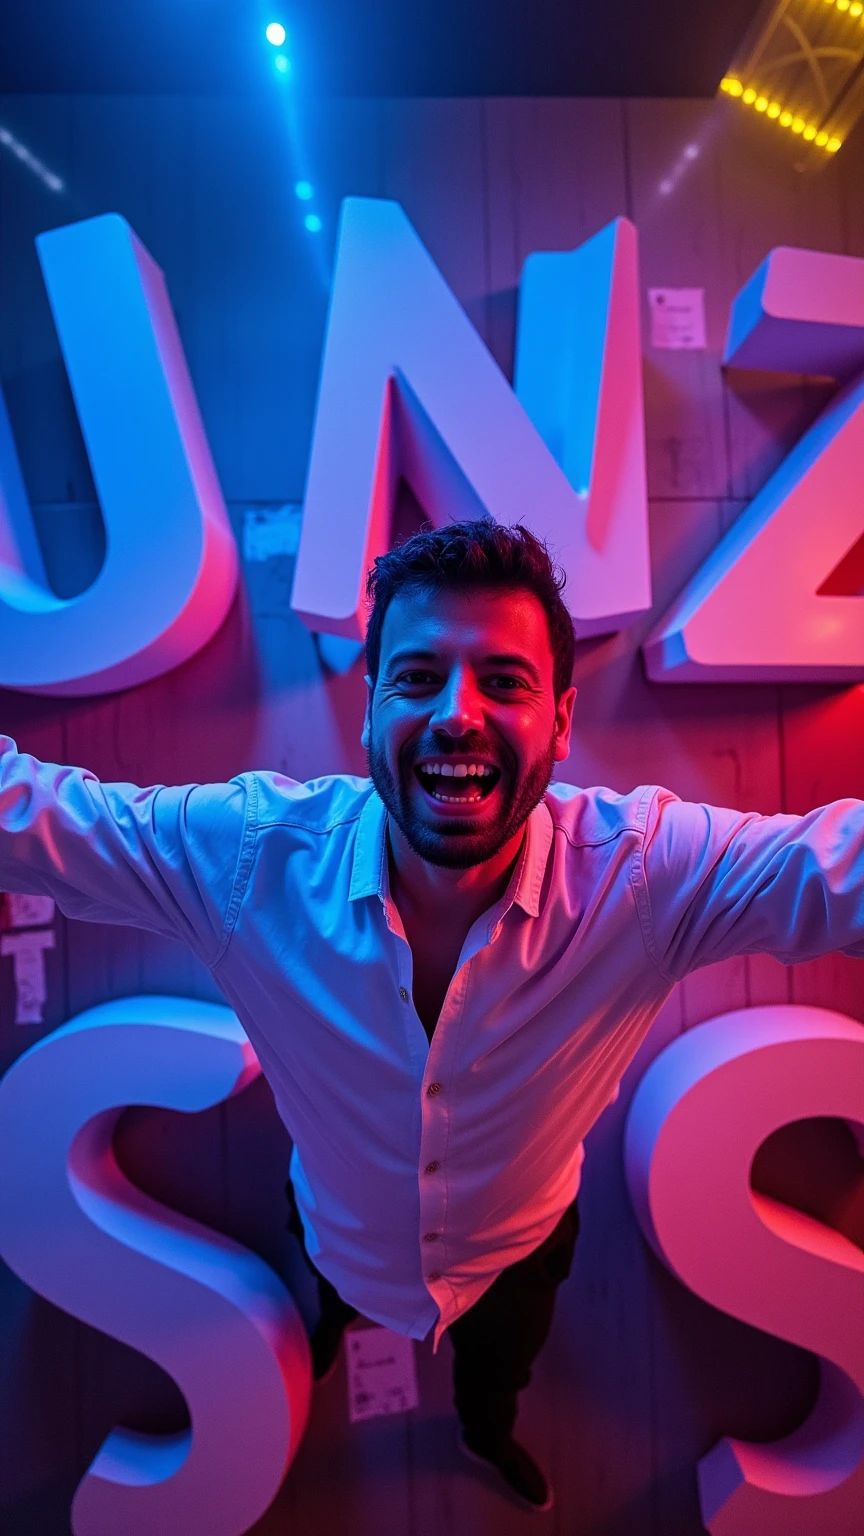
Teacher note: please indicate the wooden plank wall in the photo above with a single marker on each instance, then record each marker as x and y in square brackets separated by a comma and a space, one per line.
[641, 1377]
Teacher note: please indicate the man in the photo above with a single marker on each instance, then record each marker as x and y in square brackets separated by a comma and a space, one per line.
[445, 970]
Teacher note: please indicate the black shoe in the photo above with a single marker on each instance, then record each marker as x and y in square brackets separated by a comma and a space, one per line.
[519, 1471]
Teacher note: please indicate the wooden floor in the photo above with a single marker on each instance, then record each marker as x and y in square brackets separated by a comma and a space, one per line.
[640, 1378]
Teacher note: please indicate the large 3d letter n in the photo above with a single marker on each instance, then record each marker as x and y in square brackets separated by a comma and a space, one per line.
[409, 391]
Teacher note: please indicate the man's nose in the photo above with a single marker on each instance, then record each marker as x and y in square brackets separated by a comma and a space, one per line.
[459, 706]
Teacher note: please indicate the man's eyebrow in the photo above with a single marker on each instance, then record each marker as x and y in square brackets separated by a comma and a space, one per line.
[504, 659]
[513, 660]
[399, 658]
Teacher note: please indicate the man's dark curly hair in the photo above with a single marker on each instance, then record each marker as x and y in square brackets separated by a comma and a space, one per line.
[471, 555]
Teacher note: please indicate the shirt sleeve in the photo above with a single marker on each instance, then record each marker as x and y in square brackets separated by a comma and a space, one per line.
[721, 883]
[165, 859]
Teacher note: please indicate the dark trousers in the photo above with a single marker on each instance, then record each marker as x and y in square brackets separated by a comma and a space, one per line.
[497, 1340]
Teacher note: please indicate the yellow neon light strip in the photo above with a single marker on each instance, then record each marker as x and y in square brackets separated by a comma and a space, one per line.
[780, 114]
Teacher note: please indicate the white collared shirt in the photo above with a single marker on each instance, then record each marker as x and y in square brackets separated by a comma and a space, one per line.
[422, 1170]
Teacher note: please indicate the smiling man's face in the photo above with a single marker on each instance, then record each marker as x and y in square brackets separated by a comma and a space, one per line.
[462, 724]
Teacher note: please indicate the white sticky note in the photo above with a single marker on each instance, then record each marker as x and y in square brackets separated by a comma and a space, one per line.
[677, 318]
[27, 951]
[382, 1377]
[271, 531]
[29, 911]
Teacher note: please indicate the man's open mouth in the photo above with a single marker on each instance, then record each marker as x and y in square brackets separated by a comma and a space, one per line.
[457, 780]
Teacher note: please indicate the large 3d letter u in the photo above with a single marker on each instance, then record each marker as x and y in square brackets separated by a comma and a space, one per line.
[171, 564]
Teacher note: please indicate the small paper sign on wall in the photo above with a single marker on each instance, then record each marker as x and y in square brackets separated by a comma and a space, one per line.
[382, 1377]
[677, 318]
[27, 951]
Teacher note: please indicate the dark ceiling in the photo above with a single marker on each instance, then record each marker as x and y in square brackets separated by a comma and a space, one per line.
[374, 47]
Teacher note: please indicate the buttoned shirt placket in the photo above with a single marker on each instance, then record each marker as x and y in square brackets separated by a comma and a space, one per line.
[441, 1058]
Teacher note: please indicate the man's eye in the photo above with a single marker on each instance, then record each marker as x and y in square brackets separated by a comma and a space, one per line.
[417, 679]
[505, 683]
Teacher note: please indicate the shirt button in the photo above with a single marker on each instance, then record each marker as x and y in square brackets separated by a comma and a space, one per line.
[403, 993]
[432, 1167]
[430, 1237]
[433, 1089]
[434, 1276]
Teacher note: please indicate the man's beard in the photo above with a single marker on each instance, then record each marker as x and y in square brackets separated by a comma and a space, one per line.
[458, 843]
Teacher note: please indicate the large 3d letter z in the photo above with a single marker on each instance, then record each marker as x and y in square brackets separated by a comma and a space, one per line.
[213, 1315]
[781, 599]
[697, 1119]
[171, 563]
[408, 390]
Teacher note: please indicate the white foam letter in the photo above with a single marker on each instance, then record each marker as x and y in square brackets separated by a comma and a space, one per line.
[781, 598]
[697, 1119]
[213, 1315]
[409, 390]
[171, 563]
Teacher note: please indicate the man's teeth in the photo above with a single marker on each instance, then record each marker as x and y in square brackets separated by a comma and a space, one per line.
[459, 770]
[463, 769]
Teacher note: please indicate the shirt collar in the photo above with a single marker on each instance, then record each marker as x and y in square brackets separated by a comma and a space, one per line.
[369, 869]
[529, 872]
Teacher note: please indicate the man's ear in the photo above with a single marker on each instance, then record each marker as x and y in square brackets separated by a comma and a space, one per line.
[366, 733]
[564, 724]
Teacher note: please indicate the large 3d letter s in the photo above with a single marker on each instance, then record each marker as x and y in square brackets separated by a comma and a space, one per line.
[171, 562]
[212, 1314]
[696, 1122]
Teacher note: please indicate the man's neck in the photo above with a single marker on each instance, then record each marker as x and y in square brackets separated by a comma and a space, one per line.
[452, 895]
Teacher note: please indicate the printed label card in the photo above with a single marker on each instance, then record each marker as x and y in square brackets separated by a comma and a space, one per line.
[677, 318]
[382, 1376]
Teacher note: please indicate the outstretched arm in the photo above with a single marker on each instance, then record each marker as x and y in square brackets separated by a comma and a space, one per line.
[718, 883]
[165, 859]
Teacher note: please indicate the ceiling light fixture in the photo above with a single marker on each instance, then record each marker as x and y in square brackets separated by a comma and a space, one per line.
[773, 109]
[801, 65]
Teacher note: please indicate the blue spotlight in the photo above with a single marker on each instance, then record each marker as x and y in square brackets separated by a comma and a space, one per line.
[313, 223]
[275, 34]
[283, 64]
[304, 190]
